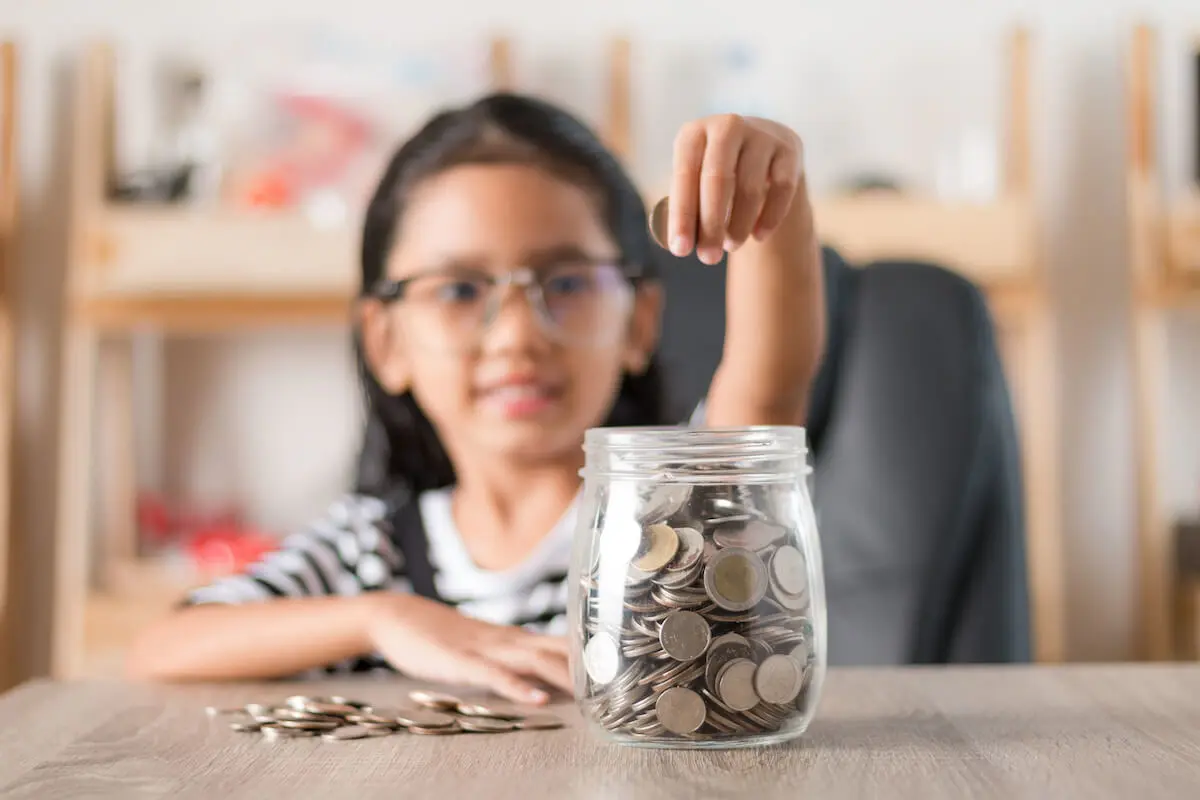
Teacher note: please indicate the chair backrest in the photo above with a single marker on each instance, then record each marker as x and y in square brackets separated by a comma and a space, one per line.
[917, 471]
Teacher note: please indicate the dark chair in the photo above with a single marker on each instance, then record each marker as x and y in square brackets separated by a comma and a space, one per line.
[917, 474]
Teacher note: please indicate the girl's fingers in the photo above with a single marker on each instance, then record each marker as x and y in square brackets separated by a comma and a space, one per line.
[718, 181]
[553, 644]
[548, 667]
[500, 679]
[750, 191]
[685, 188]
[783, 181]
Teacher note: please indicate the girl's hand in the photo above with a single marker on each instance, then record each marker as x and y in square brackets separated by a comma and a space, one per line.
[425, 639]
[733, 177]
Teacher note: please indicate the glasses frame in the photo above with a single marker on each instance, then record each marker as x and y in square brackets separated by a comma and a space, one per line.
[390, 291]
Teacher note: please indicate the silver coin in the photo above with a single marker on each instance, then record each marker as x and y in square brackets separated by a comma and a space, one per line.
[721, 651]
[659, 216]
[680, 710]
[434, 700]
[370, 719]
[762, 650]
[345, 733]
[693, 671]
[802, 653]
[302, 716]
[659, 546]
[330, 709]
[778, 679]
[736, 579]
[278, 732]
[602, 658]
[735, 684]
[684, 635]
[445, 730]
[793, 602]
[790, 570]
[663, 501]
[753, 535]
[307, 725]
[539, 722]
[425, 718]
[691, 549]
[491, 712]
[246, 727]
[486, 725]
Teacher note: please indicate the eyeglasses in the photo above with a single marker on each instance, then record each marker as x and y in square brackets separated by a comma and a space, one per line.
[578, 303]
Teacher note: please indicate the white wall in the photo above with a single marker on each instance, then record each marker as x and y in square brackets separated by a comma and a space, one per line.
[895, 82]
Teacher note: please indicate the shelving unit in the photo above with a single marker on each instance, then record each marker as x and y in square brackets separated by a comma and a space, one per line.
[1165, 279]
[202, 271]
[8, 270]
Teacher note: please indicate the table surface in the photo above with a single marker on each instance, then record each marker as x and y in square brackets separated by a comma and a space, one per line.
[1012, 732]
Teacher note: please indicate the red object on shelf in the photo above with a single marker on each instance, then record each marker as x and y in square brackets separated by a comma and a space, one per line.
[216, 543]
[223, 550]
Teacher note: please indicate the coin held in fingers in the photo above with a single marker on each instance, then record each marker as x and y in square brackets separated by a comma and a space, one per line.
[658, 222]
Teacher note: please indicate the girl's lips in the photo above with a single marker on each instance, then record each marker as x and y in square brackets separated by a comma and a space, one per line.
[518, 400]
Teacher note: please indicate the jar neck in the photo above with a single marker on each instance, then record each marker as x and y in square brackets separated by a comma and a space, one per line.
[753, 454]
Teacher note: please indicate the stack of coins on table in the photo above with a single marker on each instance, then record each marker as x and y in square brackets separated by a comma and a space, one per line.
[697, 615]
[339, 719]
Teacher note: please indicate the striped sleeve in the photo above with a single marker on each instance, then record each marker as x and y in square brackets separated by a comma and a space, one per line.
[347, 552]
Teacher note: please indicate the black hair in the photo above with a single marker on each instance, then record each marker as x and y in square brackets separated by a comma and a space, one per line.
[401, 453]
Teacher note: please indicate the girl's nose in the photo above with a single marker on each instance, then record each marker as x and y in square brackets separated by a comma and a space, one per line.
[515, 323]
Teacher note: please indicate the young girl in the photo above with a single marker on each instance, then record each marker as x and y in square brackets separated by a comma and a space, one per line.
[509, 303]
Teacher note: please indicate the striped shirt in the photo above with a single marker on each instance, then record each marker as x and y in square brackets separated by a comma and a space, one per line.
[353, 549]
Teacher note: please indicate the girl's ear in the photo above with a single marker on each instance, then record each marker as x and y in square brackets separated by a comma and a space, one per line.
[384, 347]
[644, 327]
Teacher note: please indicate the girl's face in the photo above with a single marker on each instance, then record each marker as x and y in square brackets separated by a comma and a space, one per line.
[509, 377]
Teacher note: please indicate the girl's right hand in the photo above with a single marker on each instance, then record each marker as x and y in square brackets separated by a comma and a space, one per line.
[425, 639]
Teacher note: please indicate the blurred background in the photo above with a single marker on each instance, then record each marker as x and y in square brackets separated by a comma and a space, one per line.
[285, 111]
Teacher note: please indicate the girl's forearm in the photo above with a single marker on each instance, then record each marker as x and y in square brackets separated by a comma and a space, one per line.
[254, 641]
[775, 326]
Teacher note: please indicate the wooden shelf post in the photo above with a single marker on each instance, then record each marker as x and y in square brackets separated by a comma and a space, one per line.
[1164, 237]
[8, 269]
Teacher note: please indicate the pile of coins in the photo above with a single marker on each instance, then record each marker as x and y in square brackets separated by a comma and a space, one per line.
[697, 615]
[339, 719]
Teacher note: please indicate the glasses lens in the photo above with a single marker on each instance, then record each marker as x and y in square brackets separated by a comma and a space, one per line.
[582, 305]
[445, 312]
[587, 304]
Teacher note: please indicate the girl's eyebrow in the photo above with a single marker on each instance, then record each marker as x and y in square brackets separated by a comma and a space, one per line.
[537, 259]
[564, 252]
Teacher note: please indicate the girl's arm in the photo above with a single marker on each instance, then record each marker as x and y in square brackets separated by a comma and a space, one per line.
[330, 595]
[255, 640]
[739, 184]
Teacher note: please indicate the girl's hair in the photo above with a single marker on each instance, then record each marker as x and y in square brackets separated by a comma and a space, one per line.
[401, 453]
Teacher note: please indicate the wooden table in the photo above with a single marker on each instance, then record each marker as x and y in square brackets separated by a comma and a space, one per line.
[1078, 731]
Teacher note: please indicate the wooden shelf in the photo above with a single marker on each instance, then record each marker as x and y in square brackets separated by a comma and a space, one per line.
[187, 270]
[150, 253]
[991, 243]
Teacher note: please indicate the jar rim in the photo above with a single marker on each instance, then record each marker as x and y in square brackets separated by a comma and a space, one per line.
[790, 439]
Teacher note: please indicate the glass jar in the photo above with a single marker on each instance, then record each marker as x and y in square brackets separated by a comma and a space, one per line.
[697, 602]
